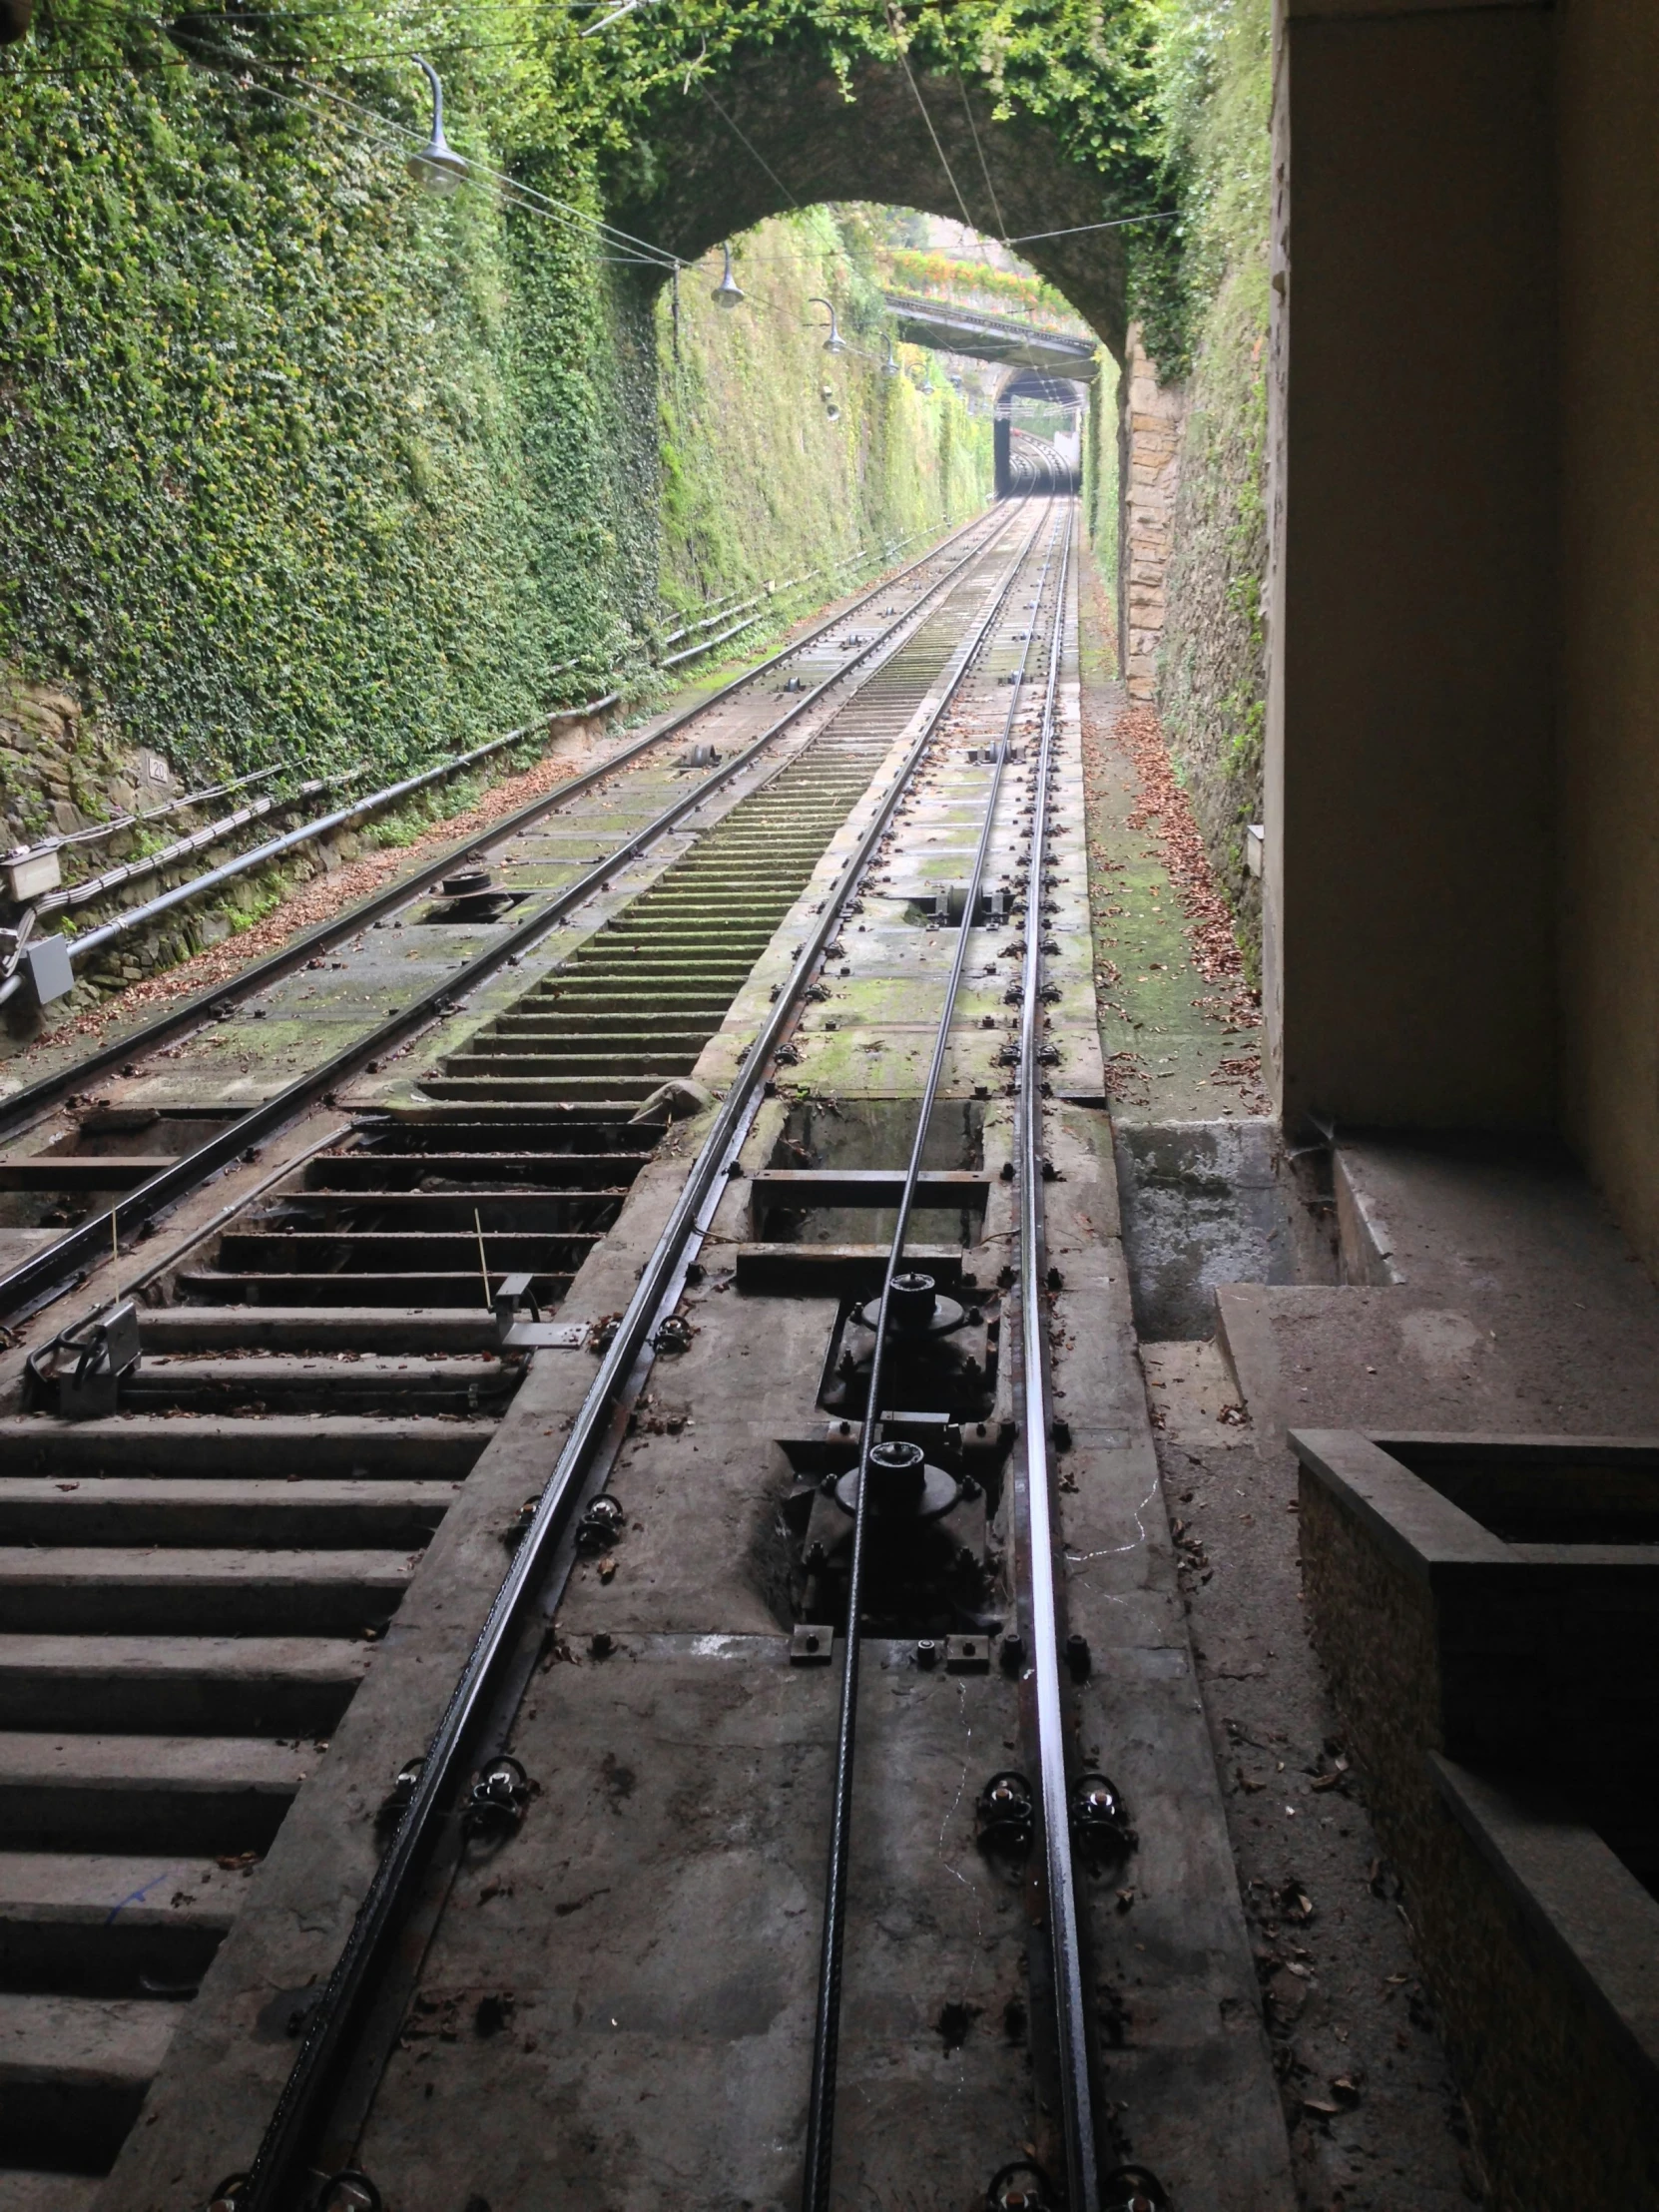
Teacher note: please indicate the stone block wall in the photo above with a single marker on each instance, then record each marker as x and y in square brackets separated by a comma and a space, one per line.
[61, 768]
[1149, 476]
[65, 766]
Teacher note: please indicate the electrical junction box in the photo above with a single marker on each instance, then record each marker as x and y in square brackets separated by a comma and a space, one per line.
[31, 874]
[49, 968]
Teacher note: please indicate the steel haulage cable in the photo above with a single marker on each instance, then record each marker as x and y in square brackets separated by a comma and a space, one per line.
[1064, 1934]
[821, 2119]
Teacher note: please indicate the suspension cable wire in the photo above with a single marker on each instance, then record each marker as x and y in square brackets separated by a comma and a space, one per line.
[1065, 1933]
[748, 147]
[950, 175]
[1076, 229]
[997, 207]
[610, 232]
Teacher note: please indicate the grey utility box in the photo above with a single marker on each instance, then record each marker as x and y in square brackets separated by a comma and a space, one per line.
[49, 968]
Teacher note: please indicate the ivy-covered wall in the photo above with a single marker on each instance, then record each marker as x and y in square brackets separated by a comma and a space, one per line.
[1214, 63]
[300, 462]
[761, 480]
[1100, 469]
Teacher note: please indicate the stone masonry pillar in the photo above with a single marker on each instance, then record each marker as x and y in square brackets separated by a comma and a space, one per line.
[1149, 453]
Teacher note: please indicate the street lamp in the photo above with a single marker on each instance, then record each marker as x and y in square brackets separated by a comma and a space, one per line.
[890, 367]
[727, 294]
[834, 342]
[437, 167]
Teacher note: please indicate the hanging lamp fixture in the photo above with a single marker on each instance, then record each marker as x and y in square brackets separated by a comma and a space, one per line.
[727, 294]
[890, 367]
[834, 342]
[437, 167]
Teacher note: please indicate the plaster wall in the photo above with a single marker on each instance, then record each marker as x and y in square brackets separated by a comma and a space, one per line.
[1610, 687]
[1408, 888]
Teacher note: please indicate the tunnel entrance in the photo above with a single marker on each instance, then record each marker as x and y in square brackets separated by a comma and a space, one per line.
[775, 111]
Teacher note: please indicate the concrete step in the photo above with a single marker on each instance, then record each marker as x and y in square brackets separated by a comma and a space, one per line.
[343, 1383]
[308, 1327]
[385, 1516]
[180, 1685]
[495, 1171]
[627, 1090]
[542, 1056]
[504, 1207]
[73, 2073]
[214, 1444]
[696, 905]
[568, 995]
[383, 1328]
[621, 1033]
[82, 1171]
[459, 1287]
[209, 1795]
[265, 1249]
[86, 1589]
[112, 1926]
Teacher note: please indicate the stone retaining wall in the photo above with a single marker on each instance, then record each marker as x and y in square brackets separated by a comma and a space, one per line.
[63, 768]
[1148, 479]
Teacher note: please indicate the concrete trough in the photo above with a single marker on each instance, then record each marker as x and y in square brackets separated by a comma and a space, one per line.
[1485, 1607]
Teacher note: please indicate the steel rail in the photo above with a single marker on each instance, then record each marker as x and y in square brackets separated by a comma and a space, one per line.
[39, 1097]
[1064, 1927]
[91, 1238]
[327, 2035]
[821, 2119]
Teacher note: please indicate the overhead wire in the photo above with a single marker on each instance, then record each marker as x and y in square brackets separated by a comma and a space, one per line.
[996, 209]
[748, 146]
[1076, 229]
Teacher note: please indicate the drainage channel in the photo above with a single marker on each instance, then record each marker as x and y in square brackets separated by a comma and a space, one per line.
[199, 1567]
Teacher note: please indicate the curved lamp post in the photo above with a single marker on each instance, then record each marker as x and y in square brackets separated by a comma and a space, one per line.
[727, 293]
[834, 342]
[437, 167]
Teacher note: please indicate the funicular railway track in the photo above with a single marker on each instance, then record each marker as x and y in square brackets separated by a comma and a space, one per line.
[199, 1580]
[199, 1566]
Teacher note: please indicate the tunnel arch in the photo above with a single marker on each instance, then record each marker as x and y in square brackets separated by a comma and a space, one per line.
[779, 119]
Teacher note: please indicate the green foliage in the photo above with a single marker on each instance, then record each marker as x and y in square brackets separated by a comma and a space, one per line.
[305, 465]
[1100, 468]
[959, 279]
[1216, 62]
[301, 464]
[758, 483]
